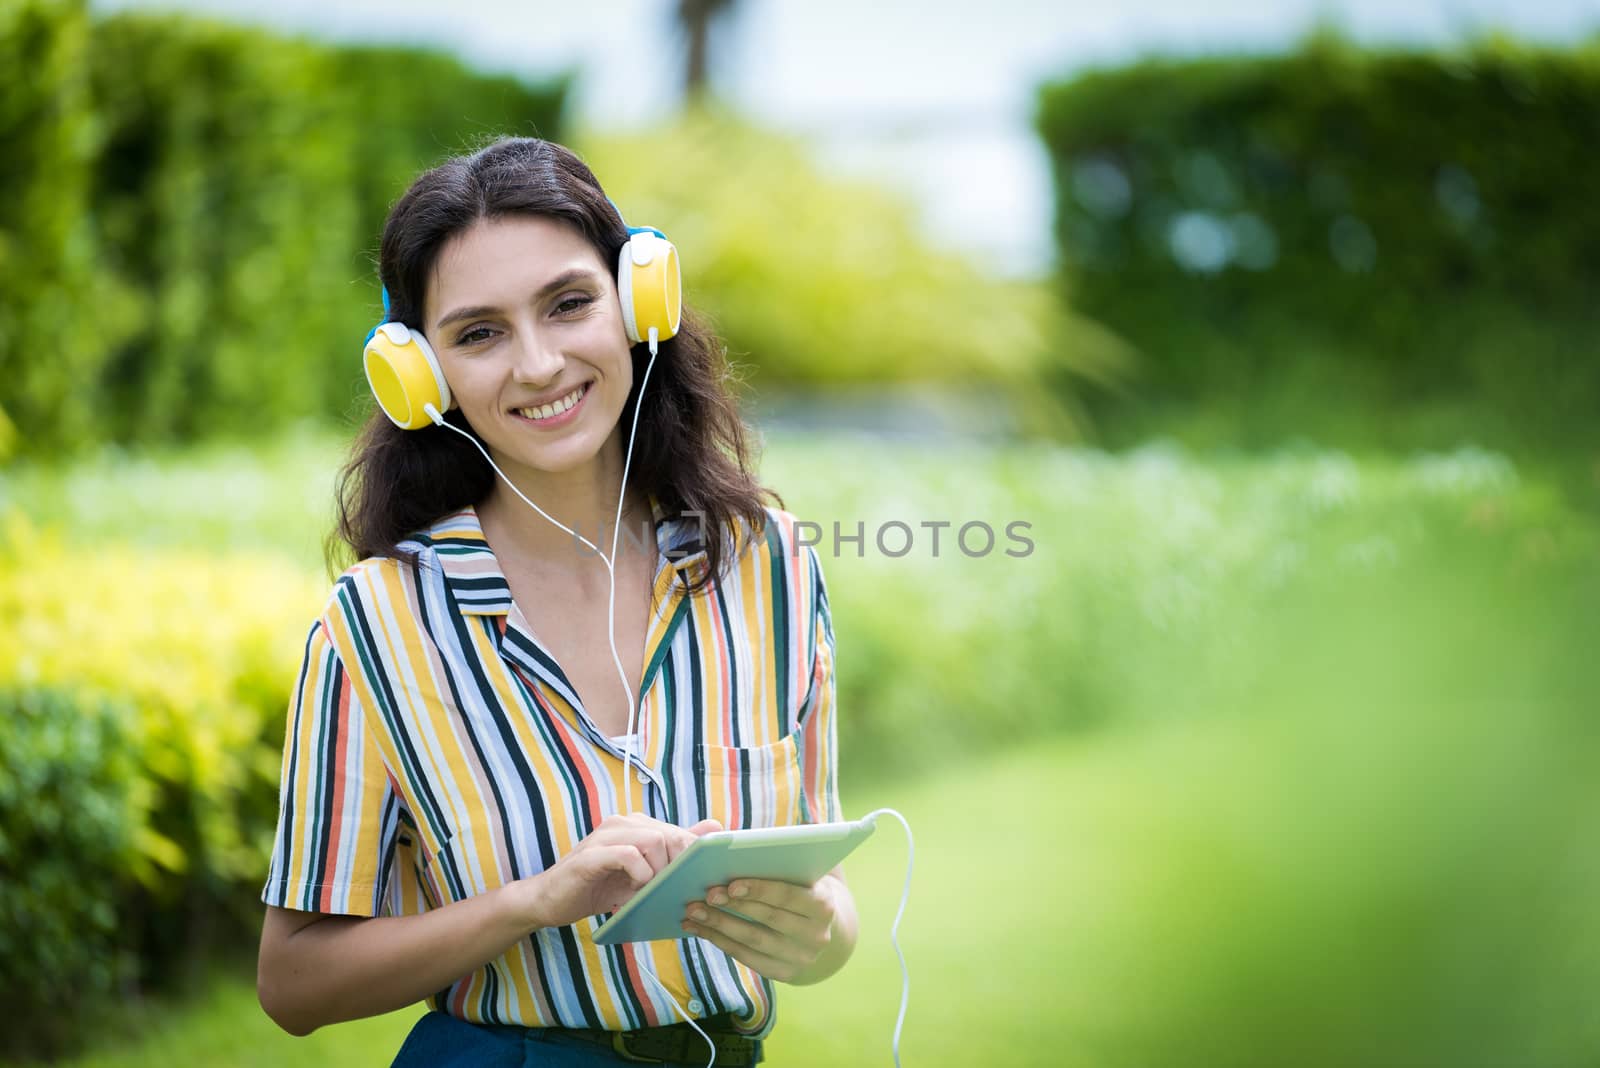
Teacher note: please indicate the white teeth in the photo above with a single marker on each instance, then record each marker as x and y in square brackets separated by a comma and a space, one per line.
[545, 411]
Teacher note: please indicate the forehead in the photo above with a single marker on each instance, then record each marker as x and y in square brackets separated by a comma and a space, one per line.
[501, 262]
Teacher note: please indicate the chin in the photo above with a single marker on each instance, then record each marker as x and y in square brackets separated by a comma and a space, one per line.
[557, 457]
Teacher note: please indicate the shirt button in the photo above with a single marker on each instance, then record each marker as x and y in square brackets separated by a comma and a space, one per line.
[696, 1006]
[644, 780]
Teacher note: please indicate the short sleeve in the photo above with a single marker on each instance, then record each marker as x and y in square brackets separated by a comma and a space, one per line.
[338, 814]
[818, 728]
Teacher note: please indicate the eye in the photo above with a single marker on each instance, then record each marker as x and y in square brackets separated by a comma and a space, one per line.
[572, 304]
[473, 336]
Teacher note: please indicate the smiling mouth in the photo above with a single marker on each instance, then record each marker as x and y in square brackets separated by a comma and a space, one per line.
[555, 408]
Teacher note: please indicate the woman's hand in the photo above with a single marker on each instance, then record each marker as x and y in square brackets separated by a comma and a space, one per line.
[607, 868]
[795, 934]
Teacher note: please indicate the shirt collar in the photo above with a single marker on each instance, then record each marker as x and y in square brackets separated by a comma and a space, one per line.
[480, 588]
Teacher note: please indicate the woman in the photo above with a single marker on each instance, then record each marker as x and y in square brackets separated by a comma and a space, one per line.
[456, 811]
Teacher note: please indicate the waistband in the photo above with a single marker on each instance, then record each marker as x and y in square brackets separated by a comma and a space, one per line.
[668, 1044]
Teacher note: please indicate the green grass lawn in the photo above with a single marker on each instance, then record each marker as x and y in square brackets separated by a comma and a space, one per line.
[222, 1026]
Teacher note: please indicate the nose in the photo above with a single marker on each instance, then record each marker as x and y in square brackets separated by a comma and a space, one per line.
[536, 362]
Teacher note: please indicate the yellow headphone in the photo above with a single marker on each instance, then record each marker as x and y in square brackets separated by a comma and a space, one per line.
[405, 376]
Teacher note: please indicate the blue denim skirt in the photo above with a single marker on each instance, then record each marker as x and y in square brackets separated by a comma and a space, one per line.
[440, 1040]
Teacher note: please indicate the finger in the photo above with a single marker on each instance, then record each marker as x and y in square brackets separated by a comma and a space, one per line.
[612, 829]
[674, 840]
[626, 859]
[801, 900]
[656, 843]
[637, 828]
[616, 824]
[646, 844]
[627, 827]
[786, 923]
[764, 964]
[678, 842]
[683, 838]
[757, 936]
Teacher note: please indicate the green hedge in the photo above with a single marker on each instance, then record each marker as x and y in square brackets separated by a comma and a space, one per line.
[200, 213]
[61, 310]
[1388, 247]
[142, 703]
[67, 831]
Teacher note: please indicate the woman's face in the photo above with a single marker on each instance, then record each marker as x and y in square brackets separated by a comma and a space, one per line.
[522, 314]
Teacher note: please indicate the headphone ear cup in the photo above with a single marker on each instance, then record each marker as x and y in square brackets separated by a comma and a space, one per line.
[404, 376]
[649, 286]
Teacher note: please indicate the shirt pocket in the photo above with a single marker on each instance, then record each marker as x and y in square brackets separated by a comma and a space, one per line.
[750, 787]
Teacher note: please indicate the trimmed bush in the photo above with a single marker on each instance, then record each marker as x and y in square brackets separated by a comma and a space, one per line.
[68, 824]
[1363, 247]
[167, 674]
[63, 311]
[189, 244]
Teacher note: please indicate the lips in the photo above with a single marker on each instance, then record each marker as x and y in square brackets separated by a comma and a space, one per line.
[562, 404]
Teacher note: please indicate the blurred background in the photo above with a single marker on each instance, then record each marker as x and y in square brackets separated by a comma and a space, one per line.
[1275, 322]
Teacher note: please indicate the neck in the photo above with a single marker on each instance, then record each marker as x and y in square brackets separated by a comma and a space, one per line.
[584, 498]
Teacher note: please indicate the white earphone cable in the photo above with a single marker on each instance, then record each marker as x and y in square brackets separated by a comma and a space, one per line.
[894, 930]
[632, 705]
[611, 627]
[627, 754]
[611, 619]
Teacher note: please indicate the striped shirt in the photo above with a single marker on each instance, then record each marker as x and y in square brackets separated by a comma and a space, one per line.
[435, 750]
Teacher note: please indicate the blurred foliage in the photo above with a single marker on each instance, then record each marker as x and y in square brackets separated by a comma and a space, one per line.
[213, 1019]
[1128, 554]
[1362, 837]
[199, 648]
[1387, 248]
[819, 281]
[63, 309]
[272, 495]
[1330, 719]
[1374, 844]
[67, 829]
[199, 227]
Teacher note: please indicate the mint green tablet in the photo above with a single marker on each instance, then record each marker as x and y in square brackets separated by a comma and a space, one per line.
[801, 855]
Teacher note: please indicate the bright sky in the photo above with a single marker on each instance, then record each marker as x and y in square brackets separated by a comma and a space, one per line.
[932, 97]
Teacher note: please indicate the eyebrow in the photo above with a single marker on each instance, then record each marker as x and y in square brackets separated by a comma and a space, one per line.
[565, 278]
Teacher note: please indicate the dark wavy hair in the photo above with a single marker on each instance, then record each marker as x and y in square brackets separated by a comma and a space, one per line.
[693, 451]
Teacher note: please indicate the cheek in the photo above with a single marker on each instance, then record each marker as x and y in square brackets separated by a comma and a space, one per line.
[605, 329]
[467, 385]
[611, 351]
